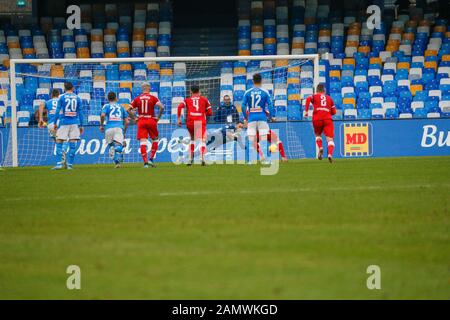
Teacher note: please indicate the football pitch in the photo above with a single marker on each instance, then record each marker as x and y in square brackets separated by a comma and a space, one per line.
[226, 232]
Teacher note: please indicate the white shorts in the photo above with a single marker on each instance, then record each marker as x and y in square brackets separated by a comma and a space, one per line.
[258, 126]
[51, 130]
[68, 132]
[114, 134]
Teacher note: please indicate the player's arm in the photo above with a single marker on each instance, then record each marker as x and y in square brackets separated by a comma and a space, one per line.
[80, 114]
[332, 107]
[102, 118]
[131, 107]
[161, 109]
[209, 112]
[307, 103]
[270, 109]
[58, 111]
[244, 108]
[181, 106]
[41, 114]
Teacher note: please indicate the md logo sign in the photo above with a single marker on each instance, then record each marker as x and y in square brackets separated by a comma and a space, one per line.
[356, 139]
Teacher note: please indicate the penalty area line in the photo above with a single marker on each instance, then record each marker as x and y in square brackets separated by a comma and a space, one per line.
[229, 192]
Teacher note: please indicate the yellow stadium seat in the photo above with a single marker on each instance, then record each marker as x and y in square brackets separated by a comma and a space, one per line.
[293, 80]
[128, 85]
[110, 55]
[446, 57]
[403, 65]
[153, 66]
[240, 70]
[349, 61]
[430, 64]
[244, 52]
[335, 73]
[430, 53]
[375, 60]
[281, 63]
[349, 101]
[414, 88]
[125, 66]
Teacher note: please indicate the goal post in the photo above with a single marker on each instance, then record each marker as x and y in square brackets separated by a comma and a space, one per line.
[207, 71]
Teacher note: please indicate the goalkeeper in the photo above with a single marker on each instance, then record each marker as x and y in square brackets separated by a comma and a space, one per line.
[225, 134]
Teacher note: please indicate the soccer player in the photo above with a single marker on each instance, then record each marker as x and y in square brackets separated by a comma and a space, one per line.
[256, 108]
[147, 122]
[69, 113]
[198, 108]
[322, 122]
[50, 105]
[227, 133]
[273, 138]
[116, 126]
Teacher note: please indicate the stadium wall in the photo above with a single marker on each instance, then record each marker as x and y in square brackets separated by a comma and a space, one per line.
[375, 138]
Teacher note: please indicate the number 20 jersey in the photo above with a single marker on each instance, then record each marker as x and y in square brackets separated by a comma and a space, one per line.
[69, 109]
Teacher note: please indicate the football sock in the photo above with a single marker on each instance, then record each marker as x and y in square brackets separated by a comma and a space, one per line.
[72, 150]
[319, 142]
[144, 152]
[154, 149]
[330, 148]
[203, 149]
[192, 146]
[59, 152]
[117, 156]
[281, 149]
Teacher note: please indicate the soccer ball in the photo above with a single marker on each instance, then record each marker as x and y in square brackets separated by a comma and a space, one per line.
[273, 148]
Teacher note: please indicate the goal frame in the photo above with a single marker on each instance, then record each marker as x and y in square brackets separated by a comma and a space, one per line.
[14, 62]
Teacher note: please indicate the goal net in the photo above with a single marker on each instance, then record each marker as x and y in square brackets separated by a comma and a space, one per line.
[289, 79]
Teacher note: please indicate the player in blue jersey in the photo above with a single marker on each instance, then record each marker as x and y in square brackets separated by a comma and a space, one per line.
[115, 128]
[69, 113]
[256, 109]
[50, 106]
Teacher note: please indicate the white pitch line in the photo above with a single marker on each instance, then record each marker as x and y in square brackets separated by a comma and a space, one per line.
[229, 192]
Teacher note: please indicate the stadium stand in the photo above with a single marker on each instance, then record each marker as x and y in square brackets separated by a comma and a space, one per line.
[399, 70]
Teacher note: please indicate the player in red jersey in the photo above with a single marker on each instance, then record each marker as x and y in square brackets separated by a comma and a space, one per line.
[147, 122]
[272, 137]
[322, 122]
[198, 108]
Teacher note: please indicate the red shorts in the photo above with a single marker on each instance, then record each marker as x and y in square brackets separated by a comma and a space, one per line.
[147, 127]
[324, 126]
[200, 132]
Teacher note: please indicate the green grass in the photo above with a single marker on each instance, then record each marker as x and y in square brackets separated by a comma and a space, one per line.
[224, 231]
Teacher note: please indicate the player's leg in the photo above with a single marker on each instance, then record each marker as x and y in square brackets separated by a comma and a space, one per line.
[190, 128]
[74, 136]
[62, 135]
[329, 134]
[142, 136]
[263, 130]
[273, 138]
[202, 138]
[118, 140]
[109, 139]
[153, 133]
[318, 129]
[253, 142]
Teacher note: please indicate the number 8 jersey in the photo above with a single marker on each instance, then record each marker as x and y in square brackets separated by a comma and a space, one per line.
[69, 110]
[323, 106]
